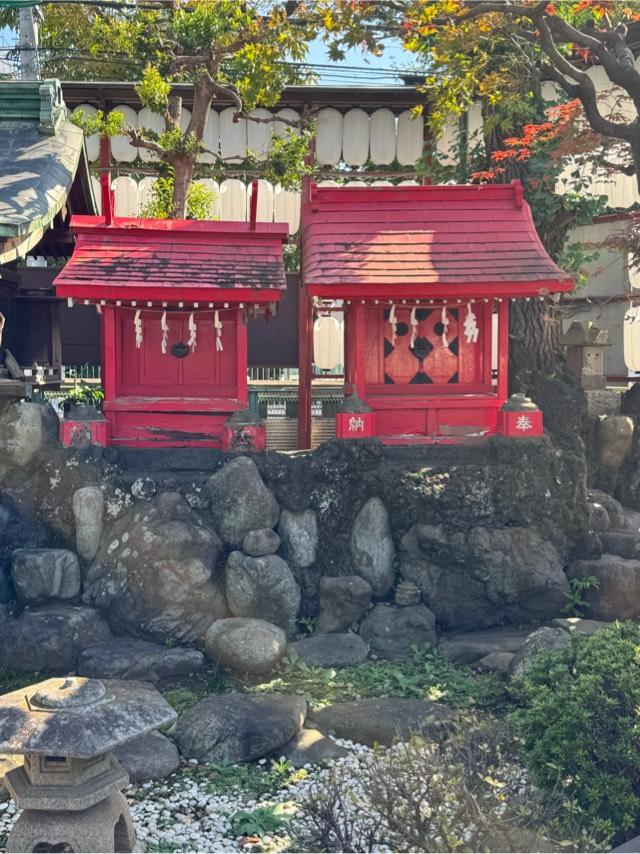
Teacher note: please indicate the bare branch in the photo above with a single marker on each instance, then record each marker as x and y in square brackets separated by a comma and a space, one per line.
[138, 141]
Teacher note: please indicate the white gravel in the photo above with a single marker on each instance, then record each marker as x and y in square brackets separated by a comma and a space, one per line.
[181, 814]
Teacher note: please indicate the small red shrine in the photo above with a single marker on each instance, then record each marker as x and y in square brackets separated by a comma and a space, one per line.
[175, 297]
[424, 276]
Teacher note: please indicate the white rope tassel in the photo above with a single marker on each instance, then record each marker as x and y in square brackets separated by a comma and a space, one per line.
[218, 326]
[471, 330]
[414, 326]
[2, 323]
[445, 324]
[164, 326]
[137, 325]
[193, 333]
[394, 324]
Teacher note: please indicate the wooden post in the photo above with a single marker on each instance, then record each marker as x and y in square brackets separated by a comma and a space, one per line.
[56, 337]
[503, 350]
[109, 357]
[305, 367]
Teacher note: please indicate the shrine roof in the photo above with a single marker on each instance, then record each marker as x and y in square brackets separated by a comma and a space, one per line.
[150, 259]
[433, 241]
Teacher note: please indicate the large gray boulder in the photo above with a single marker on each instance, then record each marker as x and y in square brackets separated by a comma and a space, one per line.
[482, 577]
[88, 513]
[245, 645]
[153, 575]
[240, 501]
[263, 588]
[615, 510]
[391, 632]
[344, 600]
[130, 658]
[50, 638]
[618, 594]
[372, 549]
[382, 720]
[544, 639]
[239, 727]
[330, 650]
[22, 433]
[45, 575]
[299, 535]
[150, 757]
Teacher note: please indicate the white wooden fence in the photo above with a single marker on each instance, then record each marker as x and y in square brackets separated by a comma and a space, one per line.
[352, 138]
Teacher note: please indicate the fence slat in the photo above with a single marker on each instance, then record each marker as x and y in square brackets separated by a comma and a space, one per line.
[92, 142]
[127, 198]
[144, 192]
[329, 137]
[121, 148]
[355, 137]
[259, 135]
[233, 135]
[410, 138]
[152, 121]
[265, 201]
[212, 185]
[233, 200]
[286, 208]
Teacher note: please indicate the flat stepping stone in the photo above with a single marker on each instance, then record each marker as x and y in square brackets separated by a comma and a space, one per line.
[311, 747]
[239, 727]
[128, 658]
[470, 647]
[382, 720]
[330, 650]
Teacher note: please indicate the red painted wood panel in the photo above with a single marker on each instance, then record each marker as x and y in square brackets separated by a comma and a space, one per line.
[148, 429]
[147, 372]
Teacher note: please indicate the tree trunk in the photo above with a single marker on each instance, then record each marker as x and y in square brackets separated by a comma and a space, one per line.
[184, 165]
[534, 341]
[182, 174]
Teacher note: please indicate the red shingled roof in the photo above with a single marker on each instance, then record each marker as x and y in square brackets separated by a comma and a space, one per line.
[428, 241]
[174, 260]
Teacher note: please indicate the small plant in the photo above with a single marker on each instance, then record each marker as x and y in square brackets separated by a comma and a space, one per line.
[183, 696]
[261, 821]
[307, 625]
[83, 394]
[576, 603]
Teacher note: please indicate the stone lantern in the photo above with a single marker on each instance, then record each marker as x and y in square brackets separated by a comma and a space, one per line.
[585, 343]
[69, 787]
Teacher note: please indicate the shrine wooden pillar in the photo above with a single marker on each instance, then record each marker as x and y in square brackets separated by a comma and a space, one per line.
[305, 366]
[355, 348]
[503, 350]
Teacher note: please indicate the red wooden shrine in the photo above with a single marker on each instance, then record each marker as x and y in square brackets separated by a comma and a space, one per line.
[424, 276]
[175, 296]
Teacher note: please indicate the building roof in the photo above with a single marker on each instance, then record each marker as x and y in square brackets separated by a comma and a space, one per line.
[431, 241]
[41, 158]
[174, 260]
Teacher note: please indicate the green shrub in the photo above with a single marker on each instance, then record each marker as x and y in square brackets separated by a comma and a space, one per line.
[579, 718]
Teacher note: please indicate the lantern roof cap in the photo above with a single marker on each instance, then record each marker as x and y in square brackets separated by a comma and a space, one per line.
[585, 333]
[79, 717]
[435, 241]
